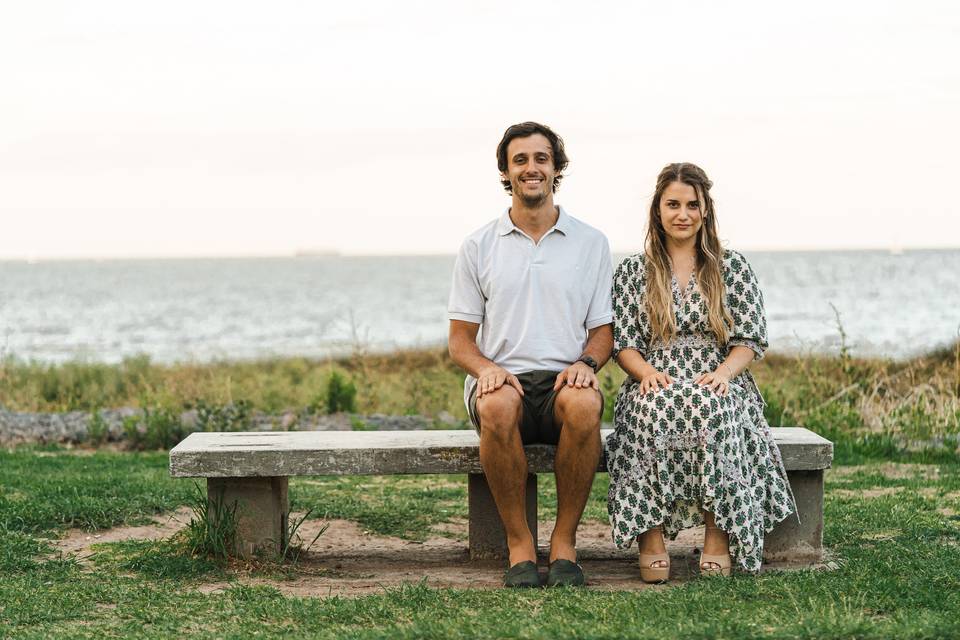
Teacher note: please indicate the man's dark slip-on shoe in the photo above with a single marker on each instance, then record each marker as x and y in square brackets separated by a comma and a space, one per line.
[522, 575]
[564, 573]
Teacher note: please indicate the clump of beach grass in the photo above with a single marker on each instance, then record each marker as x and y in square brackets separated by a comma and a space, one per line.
[876, 406]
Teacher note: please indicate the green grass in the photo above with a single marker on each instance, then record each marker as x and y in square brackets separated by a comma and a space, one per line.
[897, 547]
[45, 491]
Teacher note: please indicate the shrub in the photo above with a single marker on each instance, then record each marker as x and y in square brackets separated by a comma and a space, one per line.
[96, 428]
[228, 417]
[157, 428]
[341, 394]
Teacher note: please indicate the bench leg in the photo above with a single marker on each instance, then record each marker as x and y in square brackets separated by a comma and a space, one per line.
[803, 542]
[487, 537]
[261, 511]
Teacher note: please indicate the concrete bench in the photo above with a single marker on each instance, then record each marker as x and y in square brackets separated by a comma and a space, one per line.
[251, 469]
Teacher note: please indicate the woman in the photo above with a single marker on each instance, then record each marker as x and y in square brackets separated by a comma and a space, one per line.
[690, 443]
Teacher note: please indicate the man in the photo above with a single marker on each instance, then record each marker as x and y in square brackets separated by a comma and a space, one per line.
[535, 286]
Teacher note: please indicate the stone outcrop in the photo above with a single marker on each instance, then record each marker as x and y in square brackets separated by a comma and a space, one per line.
[111, 425]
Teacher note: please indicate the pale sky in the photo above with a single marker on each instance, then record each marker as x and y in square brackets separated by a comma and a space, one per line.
[132, 129]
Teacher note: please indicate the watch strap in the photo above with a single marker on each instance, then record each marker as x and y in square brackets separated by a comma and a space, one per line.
[590, 362]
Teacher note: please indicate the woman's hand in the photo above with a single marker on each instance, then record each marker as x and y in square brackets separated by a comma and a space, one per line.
[654, 381]
[718, 381]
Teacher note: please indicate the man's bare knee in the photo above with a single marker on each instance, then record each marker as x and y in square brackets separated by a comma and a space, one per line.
[579, 409]
[499, 412]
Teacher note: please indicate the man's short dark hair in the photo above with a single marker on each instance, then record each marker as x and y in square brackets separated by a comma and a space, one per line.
[524, 130]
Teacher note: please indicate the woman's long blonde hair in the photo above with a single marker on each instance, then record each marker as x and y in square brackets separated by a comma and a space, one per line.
[709, 265]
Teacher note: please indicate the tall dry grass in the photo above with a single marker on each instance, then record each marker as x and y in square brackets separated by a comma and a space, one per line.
[877, 406]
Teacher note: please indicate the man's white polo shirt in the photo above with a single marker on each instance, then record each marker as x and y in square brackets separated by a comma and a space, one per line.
[534, 302]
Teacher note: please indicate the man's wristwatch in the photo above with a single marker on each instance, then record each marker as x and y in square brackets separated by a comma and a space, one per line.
[590, 362]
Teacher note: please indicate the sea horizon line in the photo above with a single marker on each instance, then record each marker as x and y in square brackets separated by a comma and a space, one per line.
[327, 254]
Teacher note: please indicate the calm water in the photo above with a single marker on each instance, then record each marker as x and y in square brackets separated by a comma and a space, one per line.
[177, 310]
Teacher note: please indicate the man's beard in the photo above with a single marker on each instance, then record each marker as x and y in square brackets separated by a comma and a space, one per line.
[531, 201]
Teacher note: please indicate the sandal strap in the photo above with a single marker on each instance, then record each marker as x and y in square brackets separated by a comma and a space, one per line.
[647, 559]
[723, 561]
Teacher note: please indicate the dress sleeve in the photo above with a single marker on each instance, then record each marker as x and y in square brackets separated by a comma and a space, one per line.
[745, 303]
[629, 330]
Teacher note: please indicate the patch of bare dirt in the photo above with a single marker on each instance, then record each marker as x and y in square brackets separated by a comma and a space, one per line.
[346, 560]
[883, 535]
[457, 529]
[891, 470]
[872, 492]
[349, 561]
[79, 543]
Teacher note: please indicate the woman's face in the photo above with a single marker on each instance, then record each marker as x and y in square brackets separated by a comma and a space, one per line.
[680, 212]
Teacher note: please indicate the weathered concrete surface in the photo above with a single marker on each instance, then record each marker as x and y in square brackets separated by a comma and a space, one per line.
[487, 537]
[803, 449]
[794, 540]
[250, 454]
[262, 510]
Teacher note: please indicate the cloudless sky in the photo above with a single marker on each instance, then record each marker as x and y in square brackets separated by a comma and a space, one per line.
[240, 128]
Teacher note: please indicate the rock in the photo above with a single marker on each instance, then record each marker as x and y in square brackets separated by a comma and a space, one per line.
[447, 419]
[74, 427]
[381, 422]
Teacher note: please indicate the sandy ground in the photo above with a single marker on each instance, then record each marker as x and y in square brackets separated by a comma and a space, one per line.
[346, 560]
[78, 543]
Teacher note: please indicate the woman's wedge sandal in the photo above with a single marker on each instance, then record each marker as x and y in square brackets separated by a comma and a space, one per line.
[651, 574]
[722, 561]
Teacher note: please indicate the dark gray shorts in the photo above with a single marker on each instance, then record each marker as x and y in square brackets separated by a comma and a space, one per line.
[537, 424]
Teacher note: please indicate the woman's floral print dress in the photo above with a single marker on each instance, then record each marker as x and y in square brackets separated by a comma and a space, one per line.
[686, 446]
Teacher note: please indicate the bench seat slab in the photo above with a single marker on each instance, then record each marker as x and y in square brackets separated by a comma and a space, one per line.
[317, 453]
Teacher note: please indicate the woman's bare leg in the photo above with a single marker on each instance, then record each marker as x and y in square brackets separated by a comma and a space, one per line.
[651, 542]
[716, 542]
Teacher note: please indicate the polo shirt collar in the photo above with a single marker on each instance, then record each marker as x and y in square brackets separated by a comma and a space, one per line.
[563, 222]
[505, 225]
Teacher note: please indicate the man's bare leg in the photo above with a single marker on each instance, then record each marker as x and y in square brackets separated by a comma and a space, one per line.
[505, 466]
[575, 465]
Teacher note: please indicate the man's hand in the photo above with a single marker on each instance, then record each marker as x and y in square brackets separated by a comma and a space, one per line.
[579, 375]
[493, 378]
